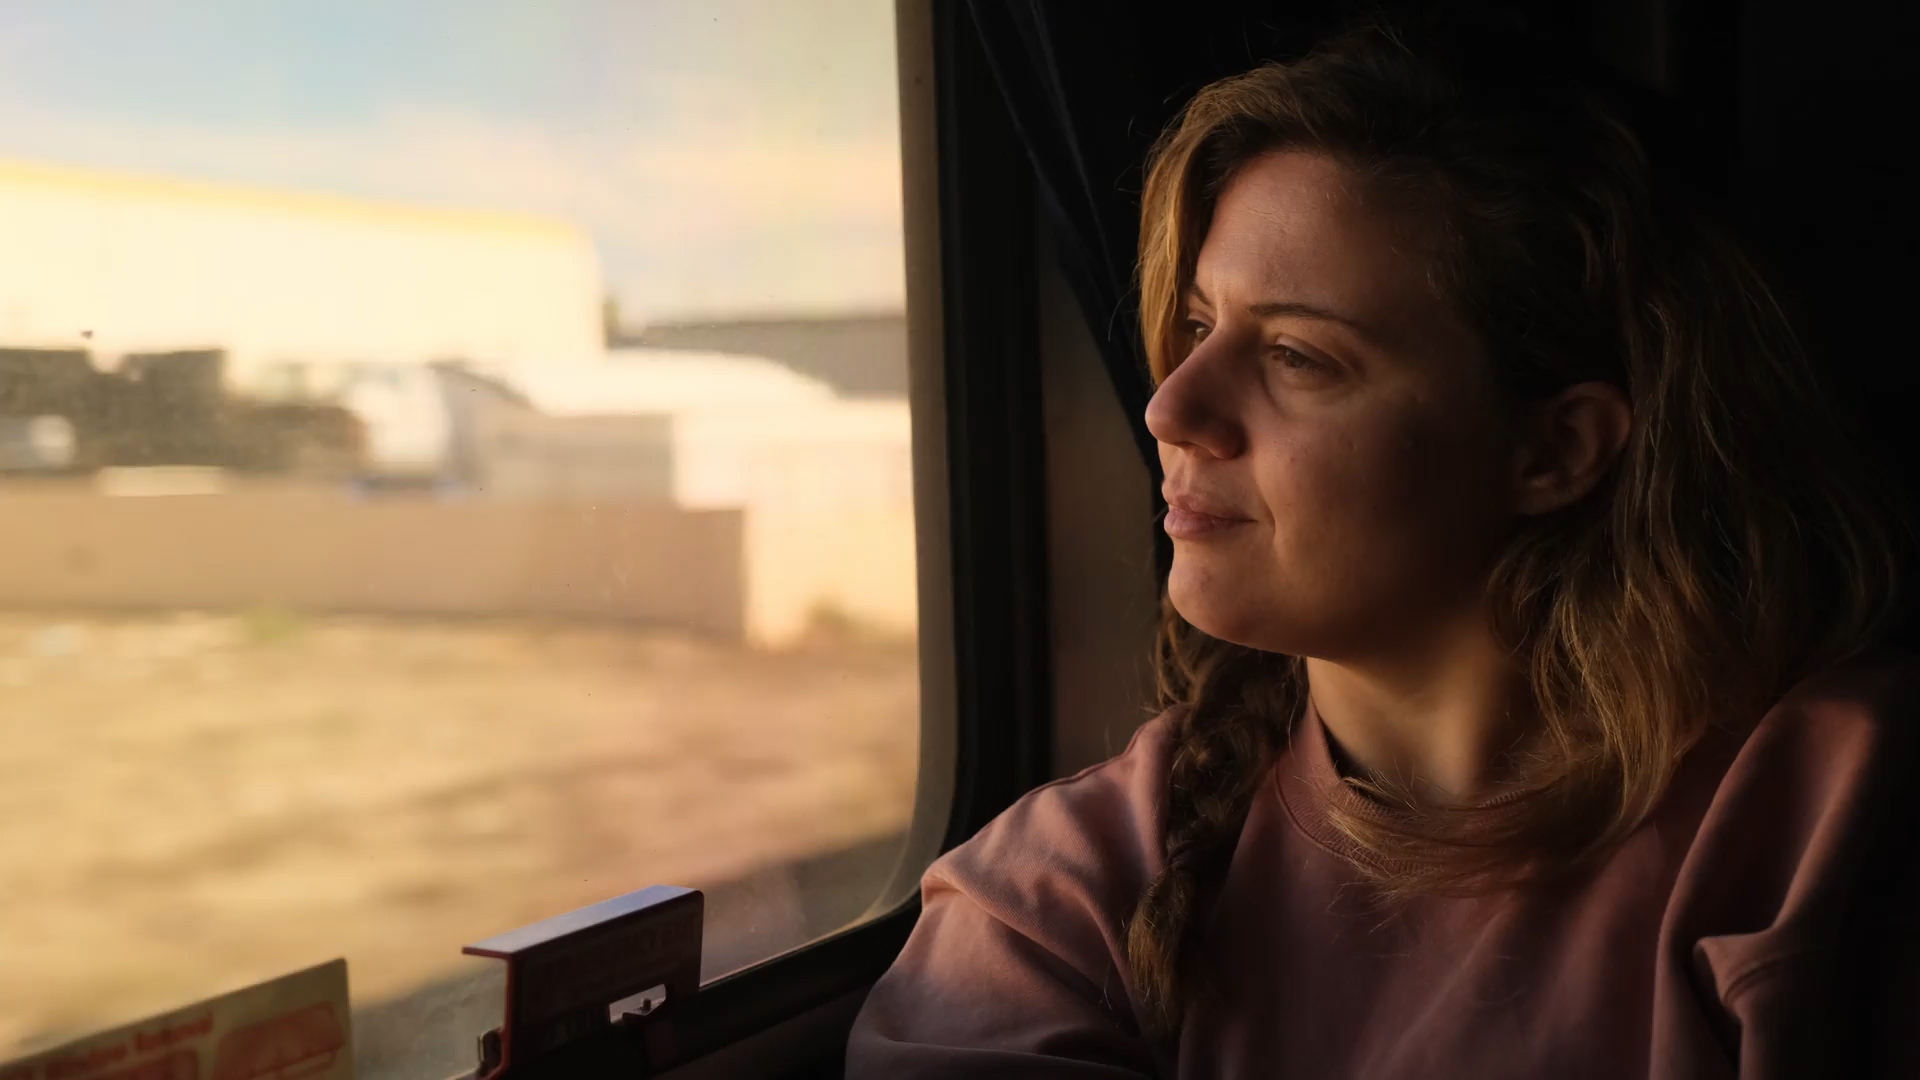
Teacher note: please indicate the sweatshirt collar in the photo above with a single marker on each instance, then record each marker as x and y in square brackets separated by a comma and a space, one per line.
[1310, 788]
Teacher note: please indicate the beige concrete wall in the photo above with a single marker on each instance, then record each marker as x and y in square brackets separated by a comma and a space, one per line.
[760, 576]
[325, 551]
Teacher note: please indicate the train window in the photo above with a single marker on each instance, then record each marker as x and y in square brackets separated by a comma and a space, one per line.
[455, 467]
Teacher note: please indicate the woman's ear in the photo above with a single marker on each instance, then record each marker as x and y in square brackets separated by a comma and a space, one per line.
[1568, 443]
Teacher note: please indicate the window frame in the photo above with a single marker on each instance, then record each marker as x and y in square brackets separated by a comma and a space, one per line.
[980, 498]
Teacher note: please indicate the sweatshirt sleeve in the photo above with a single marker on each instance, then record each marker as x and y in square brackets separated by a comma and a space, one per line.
[1016, 966]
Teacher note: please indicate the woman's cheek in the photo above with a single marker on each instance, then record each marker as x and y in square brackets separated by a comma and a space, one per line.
[1349, 502]
[1332, 476]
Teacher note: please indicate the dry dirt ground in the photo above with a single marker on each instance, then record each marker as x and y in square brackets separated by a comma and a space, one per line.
[192, 802]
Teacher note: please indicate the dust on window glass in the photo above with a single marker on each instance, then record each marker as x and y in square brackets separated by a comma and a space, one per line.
[453, 469]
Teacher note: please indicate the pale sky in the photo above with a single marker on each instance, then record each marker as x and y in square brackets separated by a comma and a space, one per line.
[726, 156]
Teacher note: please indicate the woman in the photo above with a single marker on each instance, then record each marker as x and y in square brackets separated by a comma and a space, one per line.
[1519, 712]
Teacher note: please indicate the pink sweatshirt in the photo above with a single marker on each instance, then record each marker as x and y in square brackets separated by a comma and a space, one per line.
[1700, 948]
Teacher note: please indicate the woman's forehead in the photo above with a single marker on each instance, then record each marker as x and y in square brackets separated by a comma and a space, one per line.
[1295, 227]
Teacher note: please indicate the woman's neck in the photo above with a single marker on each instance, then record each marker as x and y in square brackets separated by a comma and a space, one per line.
[1443, 720]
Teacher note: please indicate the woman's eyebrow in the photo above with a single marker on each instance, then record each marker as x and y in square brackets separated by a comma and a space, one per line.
[1297, 309]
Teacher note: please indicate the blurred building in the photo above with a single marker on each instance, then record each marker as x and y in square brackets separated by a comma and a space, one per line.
[699, 430]
[162, 337]
[859, 355]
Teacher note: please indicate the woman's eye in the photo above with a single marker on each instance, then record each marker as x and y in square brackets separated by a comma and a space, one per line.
[1197, 330]
[1295, 360]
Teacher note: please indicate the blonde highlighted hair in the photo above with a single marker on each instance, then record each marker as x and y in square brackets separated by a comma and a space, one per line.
[1738, 544]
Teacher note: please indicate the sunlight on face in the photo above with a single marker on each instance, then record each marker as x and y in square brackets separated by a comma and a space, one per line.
[1336, 451]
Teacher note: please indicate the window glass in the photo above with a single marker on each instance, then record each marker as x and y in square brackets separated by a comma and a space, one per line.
[454, 468]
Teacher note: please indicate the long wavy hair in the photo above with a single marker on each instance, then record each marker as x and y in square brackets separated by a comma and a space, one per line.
[1738, 543]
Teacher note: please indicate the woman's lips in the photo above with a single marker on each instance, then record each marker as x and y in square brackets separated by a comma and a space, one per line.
[1190, 519]
[1187, 525]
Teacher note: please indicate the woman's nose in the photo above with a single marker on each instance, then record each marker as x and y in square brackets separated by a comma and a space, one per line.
[1194, 408]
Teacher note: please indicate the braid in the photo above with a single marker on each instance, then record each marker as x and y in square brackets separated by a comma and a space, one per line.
[1229, 707]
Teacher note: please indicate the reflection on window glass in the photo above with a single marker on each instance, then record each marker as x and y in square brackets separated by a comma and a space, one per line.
[453, 469]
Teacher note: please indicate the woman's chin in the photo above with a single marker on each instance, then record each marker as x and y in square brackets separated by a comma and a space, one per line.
[1232, 610]
[1217, 611]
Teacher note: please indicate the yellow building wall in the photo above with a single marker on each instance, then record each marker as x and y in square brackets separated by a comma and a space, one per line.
[119, 264]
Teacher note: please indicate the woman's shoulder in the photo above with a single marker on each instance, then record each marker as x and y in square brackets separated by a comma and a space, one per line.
[1846, 731]
[1846, 713]
[1092, 838]
[1806, 786]
[1804, 856]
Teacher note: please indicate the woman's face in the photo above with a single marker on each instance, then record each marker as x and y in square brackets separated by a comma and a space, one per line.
[1340, 465]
